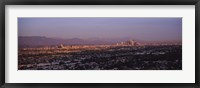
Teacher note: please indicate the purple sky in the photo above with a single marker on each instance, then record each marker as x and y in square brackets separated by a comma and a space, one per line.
[138, 28]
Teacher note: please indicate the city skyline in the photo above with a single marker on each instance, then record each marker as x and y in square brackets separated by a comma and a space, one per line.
[154, 29]
[99, 43]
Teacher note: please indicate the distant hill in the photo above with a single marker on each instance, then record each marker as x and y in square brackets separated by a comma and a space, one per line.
[40, 41]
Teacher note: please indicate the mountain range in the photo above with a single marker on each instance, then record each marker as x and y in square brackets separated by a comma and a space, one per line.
[40, 41]
[36, 41]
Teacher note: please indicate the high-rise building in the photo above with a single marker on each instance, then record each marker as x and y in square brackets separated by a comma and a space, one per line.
[129, 43]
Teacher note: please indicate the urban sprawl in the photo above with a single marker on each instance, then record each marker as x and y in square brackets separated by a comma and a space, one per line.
[129, 55]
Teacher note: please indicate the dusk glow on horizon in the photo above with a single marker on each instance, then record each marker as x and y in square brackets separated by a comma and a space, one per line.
[100, 43]
[153, 29]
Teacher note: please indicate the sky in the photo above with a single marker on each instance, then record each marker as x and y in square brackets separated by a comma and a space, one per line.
[154, 29]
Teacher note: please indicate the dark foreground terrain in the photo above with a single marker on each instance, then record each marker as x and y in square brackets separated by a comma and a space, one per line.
[165, 57]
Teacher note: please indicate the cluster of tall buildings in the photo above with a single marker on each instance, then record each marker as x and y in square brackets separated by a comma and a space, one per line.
[128, 43]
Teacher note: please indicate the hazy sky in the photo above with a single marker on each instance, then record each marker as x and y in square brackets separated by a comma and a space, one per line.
[137, 28]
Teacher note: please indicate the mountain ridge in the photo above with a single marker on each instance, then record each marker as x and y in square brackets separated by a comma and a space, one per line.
[39, 41]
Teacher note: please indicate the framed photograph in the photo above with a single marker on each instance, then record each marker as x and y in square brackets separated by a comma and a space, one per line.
[100, 43]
